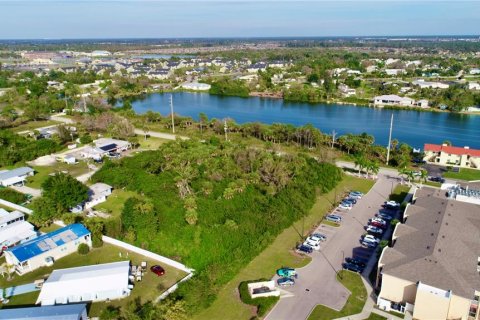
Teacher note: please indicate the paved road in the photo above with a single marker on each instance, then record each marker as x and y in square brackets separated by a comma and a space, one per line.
[317, 283]
[167, 136]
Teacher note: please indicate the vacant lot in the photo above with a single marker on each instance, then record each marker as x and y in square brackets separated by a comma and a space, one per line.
[42, 172]
[356, 301]
[463, 174]
[148, 289]
[115, 201]
[32, 125]
[279, 253]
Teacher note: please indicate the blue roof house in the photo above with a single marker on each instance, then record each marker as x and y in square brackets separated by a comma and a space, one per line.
[47, 248]
[62, 312]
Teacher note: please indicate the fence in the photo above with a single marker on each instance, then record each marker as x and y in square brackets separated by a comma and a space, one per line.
[15, 206]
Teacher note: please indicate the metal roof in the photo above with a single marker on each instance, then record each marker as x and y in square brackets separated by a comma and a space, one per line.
[49, 241]
[15, 173]
[59, 312]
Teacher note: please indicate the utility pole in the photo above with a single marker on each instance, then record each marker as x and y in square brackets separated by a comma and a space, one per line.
[334, 134]
[389, 139]
[171, 113]
[225, 127]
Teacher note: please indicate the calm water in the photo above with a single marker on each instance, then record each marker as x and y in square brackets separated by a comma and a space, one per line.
[412, 127]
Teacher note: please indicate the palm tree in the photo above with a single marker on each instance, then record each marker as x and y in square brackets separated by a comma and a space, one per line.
[359, 162]
[423, 175]
[373, 167]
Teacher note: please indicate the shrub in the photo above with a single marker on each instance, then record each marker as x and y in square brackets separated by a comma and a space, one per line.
[263, 304]
[85, 139]
[83, 249]
[12, 196]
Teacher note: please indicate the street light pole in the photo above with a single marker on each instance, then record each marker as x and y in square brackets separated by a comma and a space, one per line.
[171, 113]
[389, 139]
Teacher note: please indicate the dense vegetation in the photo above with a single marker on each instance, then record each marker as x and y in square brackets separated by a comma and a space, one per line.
[213, 206]
[229, 87]
[12, 196]
[15, 148]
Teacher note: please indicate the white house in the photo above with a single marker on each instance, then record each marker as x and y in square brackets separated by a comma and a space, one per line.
[196, 86]
[112, 145]
[346, 90]
[47, 248]
[101, 282]
[430, 84]
[63, 312]
[14, 229]
[473, 86]
[393, 100]
[423, 103]
[98, 193]
[394, 72]
[14, 176]
[475, 71]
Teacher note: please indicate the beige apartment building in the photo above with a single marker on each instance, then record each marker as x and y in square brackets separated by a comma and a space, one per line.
[452, 156]
[431, 271]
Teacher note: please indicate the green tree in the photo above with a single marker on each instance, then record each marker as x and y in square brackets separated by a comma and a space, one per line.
[44, 211]
[65, 191]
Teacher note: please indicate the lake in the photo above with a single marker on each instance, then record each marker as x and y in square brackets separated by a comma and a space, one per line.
[412, 127]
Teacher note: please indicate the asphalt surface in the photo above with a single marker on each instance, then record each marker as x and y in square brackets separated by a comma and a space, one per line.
[316, 283]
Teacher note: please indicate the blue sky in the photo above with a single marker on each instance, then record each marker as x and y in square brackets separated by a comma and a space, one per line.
[60, 19]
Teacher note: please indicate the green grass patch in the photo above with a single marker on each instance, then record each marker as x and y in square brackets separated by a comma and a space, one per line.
[32, 125]
[23, 300]
[42, 172]
[279, 253]
[463, 174]
[115, 201]
[148, 289]
[433, 184]
[150, 143]
[399, 193]
[356, 300]
[374, 316]
[330, 223]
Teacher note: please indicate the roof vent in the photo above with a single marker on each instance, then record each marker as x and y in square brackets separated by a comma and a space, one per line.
[443, 237]
[428, 247]
[432, 234]
[439, 250]
[446, 223]
[436, 221]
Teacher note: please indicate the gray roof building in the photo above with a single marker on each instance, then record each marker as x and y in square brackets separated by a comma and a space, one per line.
[60, 312]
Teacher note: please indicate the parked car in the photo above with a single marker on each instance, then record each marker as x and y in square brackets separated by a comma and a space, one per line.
[356, 193]
[285, 282]
[374, 230]
[158, 270]
[352, 200]
[346, 206]
[333, 218]
[377, 224]
[368, 244]
[305, 249]
[320, 236]
[418, 160]
[392, 204]
[286, 272]
[436, 179]
[315, 246]
[371, 238]
[352, 267]
[379, 220]
[261, 290]
[384, 216]
[359, 262]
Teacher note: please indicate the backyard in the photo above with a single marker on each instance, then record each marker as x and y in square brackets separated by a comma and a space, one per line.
[148, 289]
[42, 172]
[115, 202]
[356, 301]
[278, 253]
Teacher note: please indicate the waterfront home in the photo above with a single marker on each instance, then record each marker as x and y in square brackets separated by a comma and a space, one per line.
[423, 103]
[100, 282]
[448, 155]
[346, 90]
[393, 100]
[196, 86]
[47, 248]
[431, 269]
[14, 176]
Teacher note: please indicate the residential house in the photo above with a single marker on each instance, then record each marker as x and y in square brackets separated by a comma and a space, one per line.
[98, 193]
[112, 145]
[393, 100]
[259, 66]
[196, 86]
[473, 86]
[48, 248]
[430, 84]
[395, 72]
[14, 176]
[76, 311]
[100, 282]
[452, 156]
[475, 71]
[423, 103]
[431, 269]
[346, 90]
[14, 229]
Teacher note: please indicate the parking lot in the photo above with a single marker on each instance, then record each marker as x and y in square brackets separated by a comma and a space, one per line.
[316, 283]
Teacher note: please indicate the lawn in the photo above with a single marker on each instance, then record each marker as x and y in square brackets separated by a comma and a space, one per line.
[463, 174]
[374, 316]
[151, 143]
[356, 300]
[399, 193]
[42, 172]
[279, 253]
[148, 289]
[115, 201]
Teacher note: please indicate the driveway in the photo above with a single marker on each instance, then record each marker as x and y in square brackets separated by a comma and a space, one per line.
[167, 136]
[316, 282]
[28, 190]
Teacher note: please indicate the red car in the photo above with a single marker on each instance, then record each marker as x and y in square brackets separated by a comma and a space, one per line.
[159, 271]
[378, 225]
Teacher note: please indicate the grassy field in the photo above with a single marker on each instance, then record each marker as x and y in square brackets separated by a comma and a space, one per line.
[115, 201]
[399, 193]
[279, 253]
[32, 125]
[374, 316]
[356, 301]
[463, 174]
[148, 289]
[151, 143]
[42, 172]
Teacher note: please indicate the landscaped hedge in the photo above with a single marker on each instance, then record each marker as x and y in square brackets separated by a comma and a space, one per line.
[12, 196]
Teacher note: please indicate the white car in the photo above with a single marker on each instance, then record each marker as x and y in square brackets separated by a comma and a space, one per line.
[345, 206]
[313, 245]
[375, 230]
[314, 239]
[392, 203]
[370, 238]
[379, 220]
